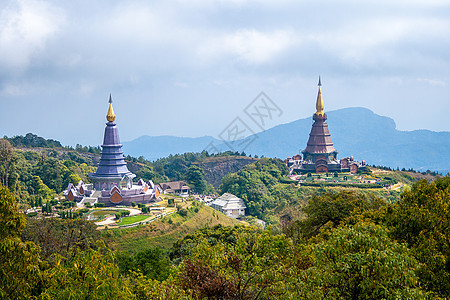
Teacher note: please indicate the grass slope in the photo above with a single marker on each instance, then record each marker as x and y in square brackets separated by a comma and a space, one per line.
[163, 233]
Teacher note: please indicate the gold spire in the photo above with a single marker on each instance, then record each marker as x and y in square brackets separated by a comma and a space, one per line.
[319, 102]
[110, 116]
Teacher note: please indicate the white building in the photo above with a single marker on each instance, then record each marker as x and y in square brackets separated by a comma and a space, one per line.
[229, 205]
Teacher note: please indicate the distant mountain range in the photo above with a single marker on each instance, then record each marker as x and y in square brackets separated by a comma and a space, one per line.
[354, 131]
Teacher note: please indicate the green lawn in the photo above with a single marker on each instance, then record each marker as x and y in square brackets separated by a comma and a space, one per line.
[132, 219]
[100, 214]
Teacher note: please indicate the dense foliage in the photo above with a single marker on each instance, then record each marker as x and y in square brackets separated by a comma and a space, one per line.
[422, 220]
[348, 246]
[258, 184]
[329, 209]
[31, 141]
[36, 178]
[61, 236]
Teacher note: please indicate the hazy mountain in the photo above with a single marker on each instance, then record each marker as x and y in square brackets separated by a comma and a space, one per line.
[154, 147]
[354, 131]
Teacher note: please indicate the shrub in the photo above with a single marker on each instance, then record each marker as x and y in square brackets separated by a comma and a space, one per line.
[183, 212]
[32, 214]
[125, 213]
[69, 204]
[287, 180]
[99, 204]
[133, 204]
[84, 210]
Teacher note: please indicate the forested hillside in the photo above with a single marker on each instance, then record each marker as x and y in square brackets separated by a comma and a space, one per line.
[271, 196]
[38, 169]
[38, 176]
[346, 247]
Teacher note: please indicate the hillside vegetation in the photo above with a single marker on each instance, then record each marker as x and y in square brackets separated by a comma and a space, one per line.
[347, 246]
[164, 232]
[37, 170]
[271, 196]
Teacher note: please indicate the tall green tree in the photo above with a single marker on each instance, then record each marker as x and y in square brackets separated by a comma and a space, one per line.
[88, 274]
[42, 189]
[20, 272]
[422, 220]
[253, 266]
[331, 208]
[61, 237]
[359, 262]
[6, 156]
[150, 262]
[195, 176]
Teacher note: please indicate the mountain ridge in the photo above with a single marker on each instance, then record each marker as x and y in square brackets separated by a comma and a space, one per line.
[354, 131]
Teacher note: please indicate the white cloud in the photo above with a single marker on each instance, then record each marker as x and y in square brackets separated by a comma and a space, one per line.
[368, 40]
[14, 90]
[432, 82]
[249, 45]
[25, 27]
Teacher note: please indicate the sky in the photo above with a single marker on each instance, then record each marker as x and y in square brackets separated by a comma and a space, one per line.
[189, 68]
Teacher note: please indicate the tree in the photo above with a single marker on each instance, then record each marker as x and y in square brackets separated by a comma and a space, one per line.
[12, 221]
[359, 262]
[19, 261]
[88, 273]
[332, 208]
[422, 220]
[74, 178]
[20, 272]
[196, 177]
[152, 263]
[42, 190]
[6, 155]
[254, 266]
[182, 212]
[59, 236]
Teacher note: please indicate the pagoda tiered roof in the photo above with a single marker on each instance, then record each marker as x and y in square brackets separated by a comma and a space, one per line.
[112, 162]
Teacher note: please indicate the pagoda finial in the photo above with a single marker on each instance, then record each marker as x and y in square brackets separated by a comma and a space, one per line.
[110, 116]
[319, 102]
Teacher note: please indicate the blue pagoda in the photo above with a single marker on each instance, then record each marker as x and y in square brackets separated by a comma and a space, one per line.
[112, 170]
[112, 182]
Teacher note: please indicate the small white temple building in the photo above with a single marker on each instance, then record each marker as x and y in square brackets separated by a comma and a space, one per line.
[229, 205]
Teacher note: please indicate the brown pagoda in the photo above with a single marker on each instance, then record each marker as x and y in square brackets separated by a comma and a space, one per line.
[320, 156]
[319, 149]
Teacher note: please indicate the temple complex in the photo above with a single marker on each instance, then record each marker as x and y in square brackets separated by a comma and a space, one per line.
[320, 156]
[112, 183]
